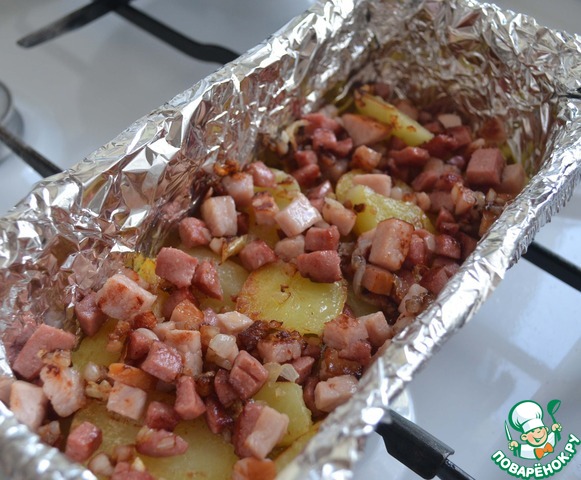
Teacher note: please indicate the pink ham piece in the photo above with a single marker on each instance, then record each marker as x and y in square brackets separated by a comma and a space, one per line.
[193, 232]
[365, 158]
[220, 216]
[306, 157]
[378, 330]
[364, 130]
[226, 394]
[377, 280]
[449, 120]
[122, 298]
[303, 366]
[318, 238]
[253, 469]
[448, 246]
[216, 416]
[378, 182]
[188, 403]
[176, 266]
[176, 297]
[240, 186]
[261, 174]
[139, 343]
[161, 416]
[189, 345]
[324, 139]
[279, 347]
[307, 176]
[163, 362]
[89, 315]
[320, 120]
[247, 375]
[207, 280]
[28, 404]
[323, 266]
[232, 323]
[485, 168]
[334, 392]
[336, 214]
[45, 338]
[64, 387]
[258, 429]
[127, 401]
[83, 441]
[297, 216]
[186, 315]
[410, 157]
[342, 331]
[256, 254]
[391, 244]
[290, 248]
[264, 208]
[159, 443]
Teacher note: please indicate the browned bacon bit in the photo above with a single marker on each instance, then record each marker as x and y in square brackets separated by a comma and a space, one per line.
[161, 416]
[216, 416]
[322, 266]
[159, 443]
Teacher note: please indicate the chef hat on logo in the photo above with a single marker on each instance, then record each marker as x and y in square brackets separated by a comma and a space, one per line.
[526, 416]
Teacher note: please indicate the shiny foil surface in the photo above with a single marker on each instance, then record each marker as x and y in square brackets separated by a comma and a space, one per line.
[72, 230]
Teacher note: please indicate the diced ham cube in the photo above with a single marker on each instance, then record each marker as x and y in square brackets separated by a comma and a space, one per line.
[318, 238]
[256, 254]
[89, 315]
[378, 182]
[264, 208]
[161, 416]
[378, 330]
[290, 248]
[513, 179]
[176, 266]
[449, 120]
[307, 176]
[64, 387]
[258, 429]
[391, 244]
[188, 404]
[359, 351]
[306, 157]
[334, 392]
[163, 362]
[365, 158]
[216, 416]
[44, 339]
[448, 246]
[175, 298]
[321, 120]
[189, 345]
[127, 401]
[132, 376]
[193, 232]
[364, 130]
[83, 441]
[247, 375]
[139, 342]
[323, 266]
[207, 280]
[254, 469]
[485, 168]
[410, 157]
[159, 443]
[226, 394]
[418, 251]
[222, 350]
[461, 134]
[435, 279]
[324, 139]
[122, 298]
[28, 403]
[279, 347]
[219, 213]
[342, 331]
[377, 280]
[303, 366]
[240, 186]
[467, 243]
[261, 174]
[336, 214]
[441, 146]
[232, 323]
[320, 191]
[186, 315]
[297, 216]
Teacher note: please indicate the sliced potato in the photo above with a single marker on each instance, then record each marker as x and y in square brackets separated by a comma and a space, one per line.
[287, 398]
[93, 349]
[277, 291]
[404, 127]
[372, 208]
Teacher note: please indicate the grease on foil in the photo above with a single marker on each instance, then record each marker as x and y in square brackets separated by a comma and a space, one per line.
[71, 231]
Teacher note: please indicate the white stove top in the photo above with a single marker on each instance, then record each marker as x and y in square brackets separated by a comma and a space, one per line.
[81, 90]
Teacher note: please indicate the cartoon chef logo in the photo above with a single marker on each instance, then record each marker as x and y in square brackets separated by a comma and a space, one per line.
[538, 439]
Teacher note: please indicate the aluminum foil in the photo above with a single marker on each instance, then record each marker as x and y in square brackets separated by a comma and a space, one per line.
[73, 229]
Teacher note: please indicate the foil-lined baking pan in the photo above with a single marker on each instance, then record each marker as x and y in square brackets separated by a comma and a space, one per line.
[72, 230]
